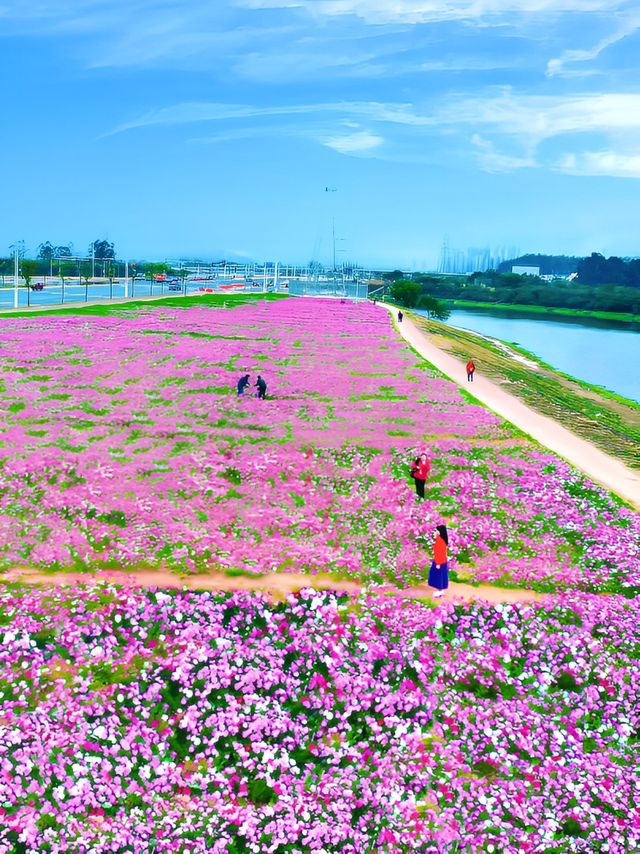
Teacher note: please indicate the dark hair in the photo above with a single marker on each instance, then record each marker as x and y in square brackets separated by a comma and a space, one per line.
[416, 461]
[442, 530]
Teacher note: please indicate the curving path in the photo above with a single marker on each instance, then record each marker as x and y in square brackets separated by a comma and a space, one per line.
[277, 584]
[598, 466]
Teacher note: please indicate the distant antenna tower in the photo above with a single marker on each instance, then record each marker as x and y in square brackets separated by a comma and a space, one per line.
[443, 266]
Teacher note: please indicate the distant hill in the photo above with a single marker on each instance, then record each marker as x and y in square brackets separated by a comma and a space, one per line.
[550, 265]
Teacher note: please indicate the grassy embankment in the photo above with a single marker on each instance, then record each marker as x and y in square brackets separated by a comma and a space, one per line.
[620, 316]
[608, 420]
[114, 307]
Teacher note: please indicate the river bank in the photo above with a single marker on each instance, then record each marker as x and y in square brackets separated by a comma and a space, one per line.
[505, 381]
[608, 420]
[613, 316]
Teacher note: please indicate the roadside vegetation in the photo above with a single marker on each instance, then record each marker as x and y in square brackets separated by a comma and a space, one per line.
[107, 308]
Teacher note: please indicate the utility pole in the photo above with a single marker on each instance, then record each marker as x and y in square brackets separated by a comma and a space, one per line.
[16, 273]
[333, 232]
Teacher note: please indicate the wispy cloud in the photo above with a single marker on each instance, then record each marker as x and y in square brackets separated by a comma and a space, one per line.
[534, 118]
[600, 163]
[494, 161]
[192, 112]
[625, 25]
[361, 142]
[505, 129]
[430, 11]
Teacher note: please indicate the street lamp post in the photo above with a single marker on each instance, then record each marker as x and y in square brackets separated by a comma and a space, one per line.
[16, 272]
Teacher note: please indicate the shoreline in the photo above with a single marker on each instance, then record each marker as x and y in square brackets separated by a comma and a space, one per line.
[623, 318]
[535, 362]
[603, 469]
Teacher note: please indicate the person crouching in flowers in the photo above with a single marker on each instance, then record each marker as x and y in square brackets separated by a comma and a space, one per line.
[420, 472]
[439, 572]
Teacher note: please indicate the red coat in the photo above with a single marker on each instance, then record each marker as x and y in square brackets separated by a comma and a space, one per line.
[440, 551]
[470, 367]
[421, 469]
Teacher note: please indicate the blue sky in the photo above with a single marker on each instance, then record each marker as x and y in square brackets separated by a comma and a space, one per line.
[212, 127]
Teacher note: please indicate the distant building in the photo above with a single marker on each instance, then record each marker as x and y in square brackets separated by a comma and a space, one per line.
[525, 271]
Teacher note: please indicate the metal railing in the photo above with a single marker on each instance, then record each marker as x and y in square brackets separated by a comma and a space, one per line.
[53, 291]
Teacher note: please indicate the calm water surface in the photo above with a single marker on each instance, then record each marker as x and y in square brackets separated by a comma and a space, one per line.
[601, 353]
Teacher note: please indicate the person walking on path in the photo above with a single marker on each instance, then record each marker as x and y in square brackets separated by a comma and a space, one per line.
[400, 316]
[470, 370]
[420, 472]
[439, 571]
[262, 387]
[243, 382]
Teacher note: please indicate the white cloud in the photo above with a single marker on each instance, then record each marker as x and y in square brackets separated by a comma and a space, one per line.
[611, 164]
[494, 161]
[506, 130]
[534, 118]
[355, 143]
[626, 26]
[192, 112]
[430, 11]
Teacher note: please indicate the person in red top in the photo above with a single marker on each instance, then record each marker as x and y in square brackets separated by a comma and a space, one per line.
[439, 571]
[420, 472]
[470, 370]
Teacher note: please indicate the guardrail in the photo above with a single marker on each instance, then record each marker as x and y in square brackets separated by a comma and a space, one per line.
[61, 292]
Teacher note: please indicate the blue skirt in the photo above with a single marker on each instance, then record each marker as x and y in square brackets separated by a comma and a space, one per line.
[439, 578]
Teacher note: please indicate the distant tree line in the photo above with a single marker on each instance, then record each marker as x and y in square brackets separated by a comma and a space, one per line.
[599, 284]
[550, 265]
[412, 294]
[62, 262]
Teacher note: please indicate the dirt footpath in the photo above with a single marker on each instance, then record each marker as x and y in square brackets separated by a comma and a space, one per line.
[279, 585]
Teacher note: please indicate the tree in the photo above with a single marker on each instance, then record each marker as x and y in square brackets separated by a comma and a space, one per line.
[633, 273]
[18, 247]
[435, 309]
[66, 269]
[28, 269]
[6, 267]
[109, 269]
[405, 293]
[85, 270]
[101, 249]
[46, 251]
[393, 276]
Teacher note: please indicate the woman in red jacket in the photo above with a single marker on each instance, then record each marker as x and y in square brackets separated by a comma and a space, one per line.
[420, 472]
[439, 572]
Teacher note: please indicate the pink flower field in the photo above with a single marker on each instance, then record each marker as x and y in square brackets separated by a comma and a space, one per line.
[125, 444]
[143, 721]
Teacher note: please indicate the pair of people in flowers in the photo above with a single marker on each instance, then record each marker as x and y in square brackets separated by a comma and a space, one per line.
[439, 571]
[261, 386]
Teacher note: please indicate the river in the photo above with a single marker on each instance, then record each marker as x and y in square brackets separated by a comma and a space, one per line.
[598, 352]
